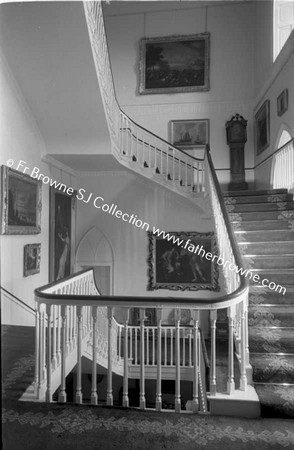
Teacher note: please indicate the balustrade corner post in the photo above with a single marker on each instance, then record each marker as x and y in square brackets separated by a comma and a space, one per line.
[231, 381]
[213, 318]
[94, 396]
[109, 395]
[37, 346]
[125, 399]
[196, 368]
[246, 331]
[158, 381]
[79, 395]
[178, 355]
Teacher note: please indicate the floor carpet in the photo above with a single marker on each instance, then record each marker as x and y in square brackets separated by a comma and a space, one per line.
[34, 426]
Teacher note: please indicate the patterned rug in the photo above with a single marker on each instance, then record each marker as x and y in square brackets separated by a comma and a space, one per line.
[264, 228]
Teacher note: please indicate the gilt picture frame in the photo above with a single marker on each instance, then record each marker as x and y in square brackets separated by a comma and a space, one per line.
[174, 64]
[62, 219]
[32, 259]
[189, 134]
[282, 102]
[21, 203]
[182, 267]
[262, 127]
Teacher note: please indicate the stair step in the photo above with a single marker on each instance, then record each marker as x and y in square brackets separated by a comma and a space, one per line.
[243, 216]
[259, 295]
[271, 340]
[269, 261]
[260, 207]
[238, 200]
[264, 236]
[255, 225]
[281, 277]
[254, 193]
[273, 368]
[263, 248]
[271, 315]
[276, 400]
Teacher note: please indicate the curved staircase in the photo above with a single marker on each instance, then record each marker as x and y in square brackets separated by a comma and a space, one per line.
[263, 222]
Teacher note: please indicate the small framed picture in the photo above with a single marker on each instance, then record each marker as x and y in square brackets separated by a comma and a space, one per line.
[262, 127]
[282, 102]
[189, 134]
[32, 259]
[21, 203]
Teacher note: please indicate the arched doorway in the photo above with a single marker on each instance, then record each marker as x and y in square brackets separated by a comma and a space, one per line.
[282, 173]
[94, 250]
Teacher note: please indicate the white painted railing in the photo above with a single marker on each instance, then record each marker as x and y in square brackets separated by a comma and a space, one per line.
[133, 146]
[282, 175]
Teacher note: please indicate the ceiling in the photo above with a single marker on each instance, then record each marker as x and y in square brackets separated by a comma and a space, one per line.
[47, 47]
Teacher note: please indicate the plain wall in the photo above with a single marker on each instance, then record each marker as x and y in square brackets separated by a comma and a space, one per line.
[21, 140]
[231, 71]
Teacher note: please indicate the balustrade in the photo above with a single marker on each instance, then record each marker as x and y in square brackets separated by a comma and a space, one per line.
[283, 167]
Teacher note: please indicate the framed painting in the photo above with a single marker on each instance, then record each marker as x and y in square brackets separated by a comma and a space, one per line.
[262, 127]
[21, 203]
[282, 102]
[174, 64]
[184, 266]
[150, 317]
[31, 259]
[62, 234]
[189, 134]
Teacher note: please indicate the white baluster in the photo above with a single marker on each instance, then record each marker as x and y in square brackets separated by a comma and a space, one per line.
[37, 348]
[158, 380]
[231, 382]
[94, 396]
[178, 378]
[147, 346]
[62, 392]
[54, 331]
[48, 354]
[171, 346]
[195, 403]
[153, 346]
[213, 317]
[109, 397]
[243, 380]
[142, 358]
[165, 346]
[79, 395]
[125, 400]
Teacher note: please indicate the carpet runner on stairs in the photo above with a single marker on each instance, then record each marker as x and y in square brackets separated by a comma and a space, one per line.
[263, 222]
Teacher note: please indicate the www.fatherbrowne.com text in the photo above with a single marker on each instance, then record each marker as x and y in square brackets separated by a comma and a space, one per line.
[99, 203]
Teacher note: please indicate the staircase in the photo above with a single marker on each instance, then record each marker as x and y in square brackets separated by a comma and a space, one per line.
[263, 222]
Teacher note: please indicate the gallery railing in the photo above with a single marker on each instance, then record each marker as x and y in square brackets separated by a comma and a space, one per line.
[283, 167]
[133, 145]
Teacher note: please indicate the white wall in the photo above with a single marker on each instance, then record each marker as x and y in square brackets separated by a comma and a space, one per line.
[21, 140]
[271, 78]
[151, 203]
[231, 70]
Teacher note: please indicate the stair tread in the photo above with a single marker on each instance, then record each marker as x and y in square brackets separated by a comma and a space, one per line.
[254, 192]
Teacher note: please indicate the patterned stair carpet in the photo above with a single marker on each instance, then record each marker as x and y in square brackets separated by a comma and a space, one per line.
[35, 426]
[263, 222]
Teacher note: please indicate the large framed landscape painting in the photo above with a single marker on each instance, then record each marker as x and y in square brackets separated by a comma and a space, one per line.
[182, 267]
[174, 64]
[21, 203]
[62, 234]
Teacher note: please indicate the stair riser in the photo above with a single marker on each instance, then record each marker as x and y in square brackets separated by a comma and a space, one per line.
[280, 279]
[270, 316]
[271, 341]
[260, 207]
[281, 248]
[267, 369]
[261, 225]
[254, 193]
[238, 200]
[272, 262]
[257, 216]
[265, 236]
[257, 296]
